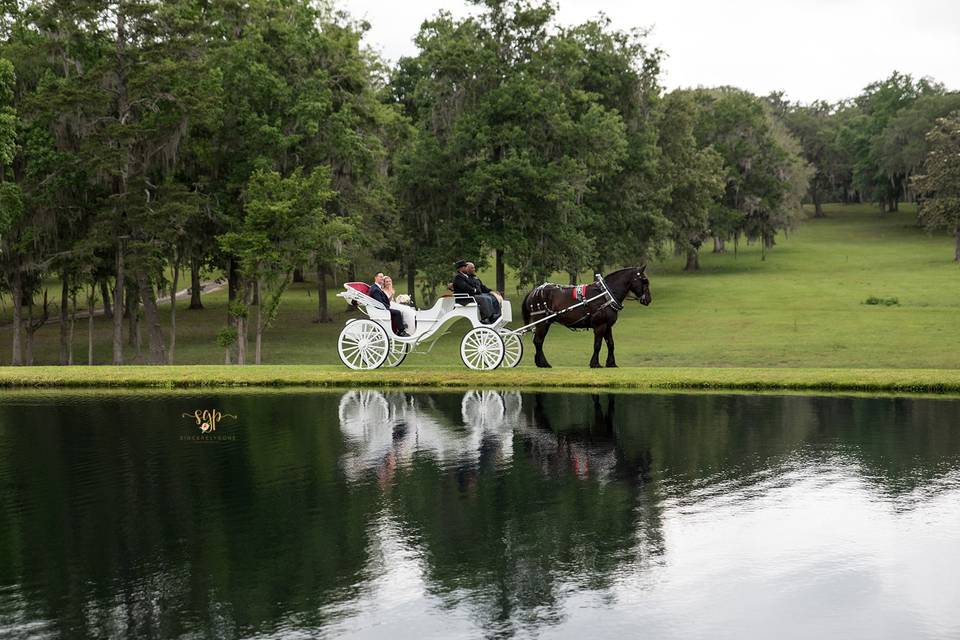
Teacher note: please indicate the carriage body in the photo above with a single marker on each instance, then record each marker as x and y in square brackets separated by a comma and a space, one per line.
[369, 343]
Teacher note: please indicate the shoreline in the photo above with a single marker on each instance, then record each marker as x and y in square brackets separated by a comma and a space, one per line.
[927, 381]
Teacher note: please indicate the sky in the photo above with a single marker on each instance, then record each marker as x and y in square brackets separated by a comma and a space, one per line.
[809, 49]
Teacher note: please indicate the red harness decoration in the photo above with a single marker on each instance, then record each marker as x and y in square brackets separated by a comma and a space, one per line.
[582, 289]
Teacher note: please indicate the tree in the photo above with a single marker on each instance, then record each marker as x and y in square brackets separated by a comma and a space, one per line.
[816, 128]
[512, 141]
[902, 146]
[764, 171]
[694, 176]
[939, 185]
[283, 221]
[863, 135]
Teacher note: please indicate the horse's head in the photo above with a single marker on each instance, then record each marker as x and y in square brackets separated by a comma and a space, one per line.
[640, 286]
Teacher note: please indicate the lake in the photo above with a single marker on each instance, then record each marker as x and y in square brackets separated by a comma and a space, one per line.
[368, 514]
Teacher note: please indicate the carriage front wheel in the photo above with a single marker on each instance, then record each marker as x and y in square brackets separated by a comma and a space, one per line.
[482, 349]
[363, 344]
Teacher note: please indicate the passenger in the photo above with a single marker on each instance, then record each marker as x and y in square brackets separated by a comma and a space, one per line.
[409, 313]
[488, 301]
[396, 318]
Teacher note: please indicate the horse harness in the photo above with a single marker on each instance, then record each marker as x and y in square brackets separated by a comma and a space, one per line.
[539, 306]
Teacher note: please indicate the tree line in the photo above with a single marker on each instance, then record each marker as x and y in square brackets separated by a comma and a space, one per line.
[144, 143]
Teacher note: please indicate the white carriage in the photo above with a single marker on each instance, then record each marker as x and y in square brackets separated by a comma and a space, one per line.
[369, 343]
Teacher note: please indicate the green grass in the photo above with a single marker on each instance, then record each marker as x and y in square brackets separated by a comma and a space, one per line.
[804, 307]
[207, 376]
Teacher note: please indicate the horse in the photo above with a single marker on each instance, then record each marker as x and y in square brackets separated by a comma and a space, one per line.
[599, 315]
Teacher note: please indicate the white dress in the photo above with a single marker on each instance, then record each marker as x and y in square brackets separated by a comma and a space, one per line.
[409, 315]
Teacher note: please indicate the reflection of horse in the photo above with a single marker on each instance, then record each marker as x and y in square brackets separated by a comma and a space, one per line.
[599, 315]
[589, 450]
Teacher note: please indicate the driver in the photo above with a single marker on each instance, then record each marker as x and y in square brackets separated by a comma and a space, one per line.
[466, 281]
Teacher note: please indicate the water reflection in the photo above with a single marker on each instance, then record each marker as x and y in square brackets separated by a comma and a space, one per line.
[501, 514]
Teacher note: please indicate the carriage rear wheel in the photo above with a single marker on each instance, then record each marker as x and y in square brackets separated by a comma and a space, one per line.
[482, 349]
[363, 344]
[398, 353]
[513, 350]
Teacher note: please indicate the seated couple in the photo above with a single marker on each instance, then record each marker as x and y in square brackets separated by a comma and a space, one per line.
[466, 281]
[403, 317]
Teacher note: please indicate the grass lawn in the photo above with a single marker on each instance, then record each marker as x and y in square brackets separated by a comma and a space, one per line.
[803, 307]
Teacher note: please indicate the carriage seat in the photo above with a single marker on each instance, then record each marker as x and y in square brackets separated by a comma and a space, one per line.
[362, 295]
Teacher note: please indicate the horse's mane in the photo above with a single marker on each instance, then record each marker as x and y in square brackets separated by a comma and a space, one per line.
[619, 271]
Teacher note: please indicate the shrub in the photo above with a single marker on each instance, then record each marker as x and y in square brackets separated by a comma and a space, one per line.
[887, 302]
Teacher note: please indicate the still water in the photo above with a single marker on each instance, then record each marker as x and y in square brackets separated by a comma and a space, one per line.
[486, 514]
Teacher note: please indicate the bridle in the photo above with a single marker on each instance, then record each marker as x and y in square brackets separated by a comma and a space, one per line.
[643, 281]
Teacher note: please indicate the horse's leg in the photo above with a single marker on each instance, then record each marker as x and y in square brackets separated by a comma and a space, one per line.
[598, 332]
[540, 333]
[611, 360]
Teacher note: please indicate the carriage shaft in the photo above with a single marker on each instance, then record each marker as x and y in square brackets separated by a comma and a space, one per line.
[529, 327]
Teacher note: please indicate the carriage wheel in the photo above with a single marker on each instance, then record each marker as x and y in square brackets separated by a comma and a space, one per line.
[363, 344]
[513, 350]
[482, 349]
[398, 353]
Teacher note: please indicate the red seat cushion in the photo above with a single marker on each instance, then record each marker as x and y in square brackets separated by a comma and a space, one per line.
[362, 287]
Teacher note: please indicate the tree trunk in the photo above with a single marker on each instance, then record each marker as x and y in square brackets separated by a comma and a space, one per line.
[105, 294]
[298, 274]
[233, 287]
[693, 260]
[233, 279]
[30, 329]
[572, 275]
[158, 351]
[195, 286]
[351, 272]
[118, 306]
[64, 313]
[32, 325]
[323, 314]
[242, 329]
[131, 311]
[412, 282]
[173, 309]
[256, 356]
[17, 293]
[73, 323]
[91, 304]
[719, 245]
[501, 276]
[956, 251]
[817, 206]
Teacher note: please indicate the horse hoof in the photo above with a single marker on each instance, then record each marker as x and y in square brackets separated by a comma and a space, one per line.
[595, 365]
[612, 366]
[545, 365]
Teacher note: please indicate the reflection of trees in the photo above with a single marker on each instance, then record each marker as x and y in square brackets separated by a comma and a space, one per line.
[111, 526]
[569, 511]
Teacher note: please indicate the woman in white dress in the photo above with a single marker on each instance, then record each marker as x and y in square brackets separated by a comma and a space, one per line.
[409, 313]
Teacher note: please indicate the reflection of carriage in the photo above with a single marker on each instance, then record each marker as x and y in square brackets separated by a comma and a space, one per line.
[379, 425]
[369, 343]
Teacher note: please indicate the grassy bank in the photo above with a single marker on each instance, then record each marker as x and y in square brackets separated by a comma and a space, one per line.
[804, 306]
[213, 376]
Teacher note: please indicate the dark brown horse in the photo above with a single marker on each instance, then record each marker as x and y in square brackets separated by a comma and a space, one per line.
[599, 315]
